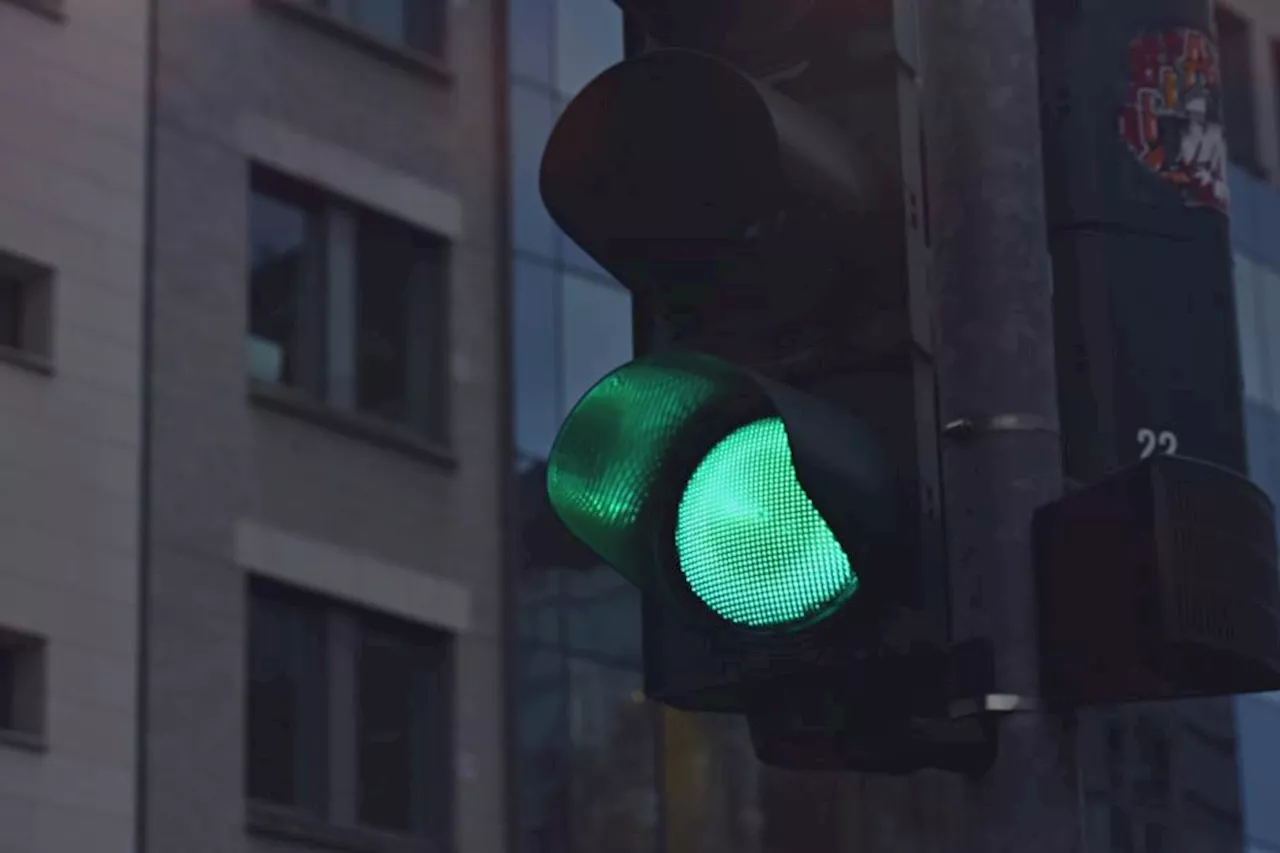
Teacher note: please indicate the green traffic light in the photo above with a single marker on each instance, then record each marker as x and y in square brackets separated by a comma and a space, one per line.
[750, 543]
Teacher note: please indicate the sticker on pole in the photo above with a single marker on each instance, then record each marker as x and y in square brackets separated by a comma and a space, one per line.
[1172, 114]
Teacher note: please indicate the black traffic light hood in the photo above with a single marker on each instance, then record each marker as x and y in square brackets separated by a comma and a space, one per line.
[675, 169]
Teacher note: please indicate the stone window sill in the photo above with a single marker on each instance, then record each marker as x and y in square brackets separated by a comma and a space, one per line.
[389, 50]
[26, 360]
[23, 740]
[287, 825]
[51, 9]
[353, 425]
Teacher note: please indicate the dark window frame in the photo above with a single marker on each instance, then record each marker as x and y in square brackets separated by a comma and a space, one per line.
[26, 329]
[340, 822]
[1275, 82]
[425, 422]
[1240, 111]
[23, 689]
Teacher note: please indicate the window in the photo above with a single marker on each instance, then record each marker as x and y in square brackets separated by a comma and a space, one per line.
[22, 686]
[287, 723]
[348, 718]
[415, 24]
[1235, 55]
[1275, 78]
[25, 310]
[347, 306]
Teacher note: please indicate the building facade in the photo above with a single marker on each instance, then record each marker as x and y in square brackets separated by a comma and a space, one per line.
[323, 661]
[73, 84]
[1255, 217]
[250, 585]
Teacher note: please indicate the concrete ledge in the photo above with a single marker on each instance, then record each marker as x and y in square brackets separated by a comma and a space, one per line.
[351, 576]
[348, 174]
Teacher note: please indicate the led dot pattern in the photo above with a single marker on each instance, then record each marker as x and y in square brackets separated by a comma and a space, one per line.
[750, 543]
[611, 451]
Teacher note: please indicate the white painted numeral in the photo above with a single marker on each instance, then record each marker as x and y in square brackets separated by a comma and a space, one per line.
[1150, 441]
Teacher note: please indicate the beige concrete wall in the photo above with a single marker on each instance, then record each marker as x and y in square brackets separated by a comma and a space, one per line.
[72, 111]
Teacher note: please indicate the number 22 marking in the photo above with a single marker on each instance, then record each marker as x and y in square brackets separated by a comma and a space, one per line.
[1149, 439]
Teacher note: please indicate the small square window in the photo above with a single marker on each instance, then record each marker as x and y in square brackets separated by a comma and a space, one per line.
[25, 310]
[22, 686]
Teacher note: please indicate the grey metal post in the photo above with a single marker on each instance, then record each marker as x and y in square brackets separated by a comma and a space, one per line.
[992, 284]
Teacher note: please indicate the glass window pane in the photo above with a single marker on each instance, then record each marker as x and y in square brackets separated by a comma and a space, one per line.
[588, 40]
[1267, 291]
[399, 325]
[287, 715]
[714, 798]
[603, 615]
[12, 313]
[1248, 311]
[1258, 730]
[532, 115]
[596, 323]
[537, 401]
[385, 729]
[281, 274]
[1235, 56]
[7, 687]
[398, 713]
[529, 33]
[614, 803]
[383, 18]
[544, 751]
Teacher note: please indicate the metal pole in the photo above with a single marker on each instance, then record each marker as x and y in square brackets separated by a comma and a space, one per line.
[992, 284]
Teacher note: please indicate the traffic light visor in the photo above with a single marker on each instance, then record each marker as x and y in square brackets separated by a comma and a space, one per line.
[608, 467]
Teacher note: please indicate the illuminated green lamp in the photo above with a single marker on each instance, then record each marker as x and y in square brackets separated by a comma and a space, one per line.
[750, 542]
[684, 454]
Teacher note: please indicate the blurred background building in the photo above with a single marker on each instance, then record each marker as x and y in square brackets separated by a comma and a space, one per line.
[1249, 32]
[285, 336]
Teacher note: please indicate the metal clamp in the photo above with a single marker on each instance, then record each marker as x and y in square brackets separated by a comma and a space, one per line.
[994, 703]
[962, 428]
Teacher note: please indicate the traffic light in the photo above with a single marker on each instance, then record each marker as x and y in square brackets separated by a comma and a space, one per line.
[1158, 574]
[765, 471]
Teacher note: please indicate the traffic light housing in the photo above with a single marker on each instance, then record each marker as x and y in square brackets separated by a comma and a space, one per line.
[765, 470]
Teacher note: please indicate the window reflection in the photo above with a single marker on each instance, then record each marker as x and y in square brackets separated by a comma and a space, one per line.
[603, 615]
[282, 251]
[588, 40]
[529, 31]
[613, 785]
[534, 322]
[597, 333]
[287, 749]
[544, 751]
[532, 115]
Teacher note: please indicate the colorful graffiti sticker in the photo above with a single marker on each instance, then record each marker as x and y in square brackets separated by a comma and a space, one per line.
[1172, 114]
